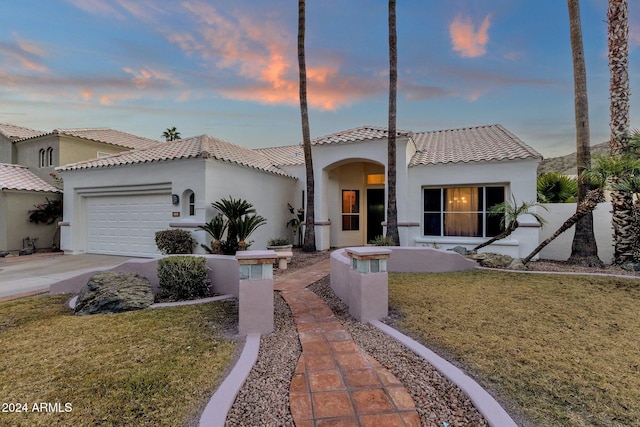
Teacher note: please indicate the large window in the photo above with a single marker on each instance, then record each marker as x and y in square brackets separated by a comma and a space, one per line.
[461, 211]
[350, 210]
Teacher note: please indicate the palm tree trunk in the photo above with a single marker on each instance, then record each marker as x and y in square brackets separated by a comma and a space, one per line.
[588, 205]
[310, 233]
[392, 208]
[621, 201]
[507, 231]
[584, 250]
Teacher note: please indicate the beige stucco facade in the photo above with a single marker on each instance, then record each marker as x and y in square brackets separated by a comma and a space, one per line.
[15, 225]
[65, 149]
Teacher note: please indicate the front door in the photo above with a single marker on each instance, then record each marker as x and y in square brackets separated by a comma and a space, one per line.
[375, 212]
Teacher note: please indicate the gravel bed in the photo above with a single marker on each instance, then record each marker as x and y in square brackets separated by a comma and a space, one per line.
[437, 399]
[565, 267]
[263, 400]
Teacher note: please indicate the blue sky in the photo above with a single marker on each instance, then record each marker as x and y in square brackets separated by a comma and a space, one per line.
[229, 68]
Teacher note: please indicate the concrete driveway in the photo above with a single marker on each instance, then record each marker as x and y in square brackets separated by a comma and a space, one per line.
[35, 273]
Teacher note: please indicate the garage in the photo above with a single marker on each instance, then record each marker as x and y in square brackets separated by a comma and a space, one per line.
[126, 225]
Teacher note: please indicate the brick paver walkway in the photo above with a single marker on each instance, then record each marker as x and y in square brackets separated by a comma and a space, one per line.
[335, 382]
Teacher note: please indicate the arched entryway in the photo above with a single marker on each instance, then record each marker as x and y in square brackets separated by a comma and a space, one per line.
[355, 194]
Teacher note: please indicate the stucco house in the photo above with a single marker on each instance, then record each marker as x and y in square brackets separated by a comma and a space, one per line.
[43, 152]
[446, 181]
[39, 153]
[20, 191]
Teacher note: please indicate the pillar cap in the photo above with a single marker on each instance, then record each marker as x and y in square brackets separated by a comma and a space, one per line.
[369, 252]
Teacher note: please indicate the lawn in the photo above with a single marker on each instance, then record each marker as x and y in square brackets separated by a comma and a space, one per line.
[562, 349]
[148, 367]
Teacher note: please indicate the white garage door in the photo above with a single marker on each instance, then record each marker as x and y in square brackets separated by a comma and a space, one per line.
[126, 225]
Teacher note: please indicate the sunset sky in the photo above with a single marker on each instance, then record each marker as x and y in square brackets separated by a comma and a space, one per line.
[229, 68]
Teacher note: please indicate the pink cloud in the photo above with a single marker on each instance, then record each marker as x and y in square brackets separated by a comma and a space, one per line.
[466, 40]
[264, 55]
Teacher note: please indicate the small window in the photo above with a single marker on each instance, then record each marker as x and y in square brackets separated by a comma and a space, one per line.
[43, 158]
[350, 210]
[192, 204]
[49, 156]
[375, 178]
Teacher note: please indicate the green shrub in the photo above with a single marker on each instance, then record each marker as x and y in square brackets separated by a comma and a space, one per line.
[183, 277]
[382, 241]
[278, 241]
[170, 242]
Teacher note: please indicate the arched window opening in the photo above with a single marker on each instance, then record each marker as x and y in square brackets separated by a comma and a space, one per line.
[43, 158]
[49, 156]
[192, 204]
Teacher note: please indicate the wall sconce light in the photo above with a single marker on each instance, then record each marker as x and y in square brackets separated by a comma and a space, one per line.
[175, 199]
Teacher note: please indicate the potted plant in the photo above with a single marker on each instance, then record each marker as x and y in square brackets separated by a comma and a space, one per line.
[279, 244]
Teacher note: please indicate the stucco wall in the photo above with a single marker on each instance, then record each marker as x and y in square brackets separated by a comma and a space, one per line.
[6, 149]
[209, 179]
[27, 153]
[14, 220]
[560, 248]
[519, 176]
[74, 149]
[268, 193]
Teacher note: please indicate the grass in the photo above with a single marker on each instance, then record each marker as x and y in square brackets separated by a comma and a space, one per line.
[148, 367]
[563, 349]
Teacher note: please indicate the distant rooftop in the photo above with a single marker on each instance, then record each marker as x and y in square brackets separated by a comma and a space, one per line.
[105, 135]
[13, 132]
[16, 177]
[202, 146]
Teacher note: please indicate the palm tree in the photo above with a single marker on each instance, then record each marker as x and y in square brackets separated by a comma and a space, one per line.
[510, 212]
[584, 250]
[215, 228]
[309, 244]
[171, 134]
[245, 226]
[589, 203]
[554, 187]
[392, 208]
[621, 201]
[234, 210]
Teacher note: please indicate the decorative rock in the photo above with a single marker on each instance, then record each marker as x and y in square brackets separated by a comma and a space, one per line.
[113, 292]
[517, 264]
[630, 266]
[461, 250]
[492, 260]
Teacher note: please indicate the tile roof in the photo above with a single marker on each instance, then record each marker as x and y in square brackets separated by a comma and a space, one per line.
[14, 132]
[105, 135]
[17, 177]
[475, 144]
[363, 133]
[202, 146]
[289, 155]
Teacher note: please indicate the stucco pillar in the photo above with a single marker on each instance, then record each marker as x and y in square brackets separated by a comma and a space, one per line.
[368, 283]
[256, 291]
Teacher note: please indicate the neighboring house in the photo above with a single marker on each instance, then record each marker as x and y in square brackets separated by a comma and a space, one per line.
[20, 191]
[446, 181]
[9, 134]
[44, 152]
